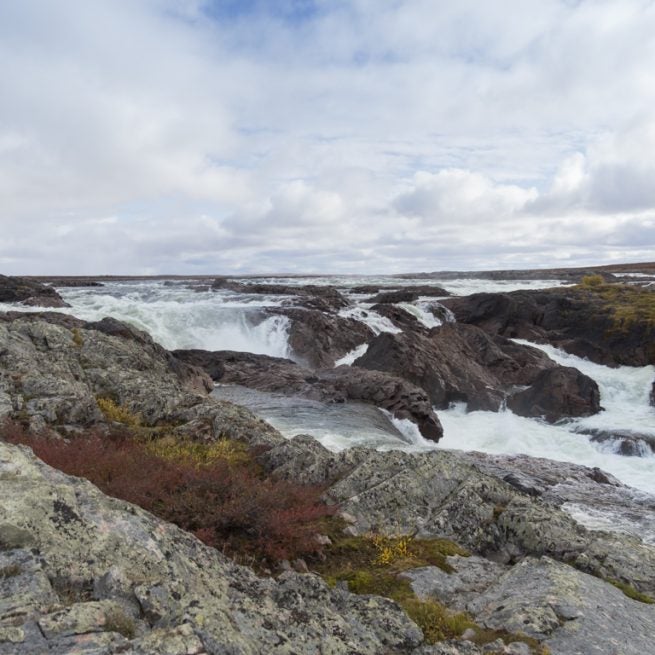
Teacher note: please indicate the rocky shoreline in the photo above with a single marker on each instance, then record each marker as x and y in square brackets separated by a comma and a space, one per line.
[81, 572]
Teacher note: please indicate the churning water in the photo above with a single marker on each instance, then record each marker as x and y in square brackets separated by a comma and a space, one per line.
[180, 317]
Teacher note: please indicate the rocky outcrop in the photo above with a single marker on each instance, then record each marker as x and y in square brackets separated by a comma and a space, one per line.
[567, 610]
[558, 393]
[84, 573]
[415, 291]
[456, 363]
[408, 294]
[336, 385]
[29, 292]
[312, 296]
[318, 340]
[580, 321]
[444, 493]
[53, 368]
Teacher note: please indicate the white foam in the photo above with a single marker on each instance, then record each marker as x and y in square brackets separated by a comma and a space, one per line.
[506, 433]
[624, 393]
[349, 358]
[420, 310]
[375, 321]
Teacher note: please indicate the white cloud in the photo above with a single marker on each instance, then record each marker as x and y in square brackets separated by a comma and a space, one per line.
[363, 136]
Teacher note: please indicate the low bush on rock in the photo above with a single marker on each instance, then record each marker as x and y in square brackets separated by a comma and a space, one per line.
[216, 491]
[372, 564]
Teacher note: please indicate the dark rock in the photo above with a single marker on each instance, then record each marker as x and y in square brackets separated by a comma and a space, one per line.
[455, 363]
[317, 339]
[311, 295]
[408, 294]
[652, 394]
[341, 384]
[558, 393]
[29, 292]
[72, 282]
[574, 319]
[624, 442]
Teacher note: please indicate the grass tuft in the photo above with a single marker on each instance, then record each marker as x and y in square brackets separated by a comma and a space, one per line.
[117, 620]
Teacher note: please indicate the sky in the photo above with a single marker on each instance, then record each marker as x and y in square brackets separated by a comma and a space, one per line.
[316, 136]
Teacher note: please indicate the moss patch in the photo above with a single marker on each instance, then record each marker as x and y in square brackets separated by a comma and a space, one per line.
[631, 592]
[371, 564]
[626, 304]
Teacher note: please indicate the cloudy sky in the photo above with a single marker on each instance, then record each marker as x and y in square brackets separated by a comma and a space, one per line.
[362, 136]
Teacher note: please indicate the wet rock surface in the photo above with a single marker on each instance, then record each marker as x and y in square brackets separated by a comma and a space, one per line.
[29, 292]
[558, 393]
[318, 340]
[319, 297]
[456, 363]
[337, 385]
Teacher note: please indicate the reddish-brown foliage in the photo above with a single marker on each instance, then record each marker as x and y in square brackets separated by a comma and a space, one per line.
[228, 506]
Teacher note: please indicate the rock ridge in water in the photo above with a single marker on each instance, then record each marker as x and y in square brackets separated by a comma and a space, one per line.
[344, 383]
[595, 324]
[29, 292]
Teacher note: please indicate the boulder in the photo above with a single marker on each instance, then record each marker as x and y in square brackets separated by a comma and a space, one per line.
[567, 610]
[556, 394]
[455, 363]
[29, 292]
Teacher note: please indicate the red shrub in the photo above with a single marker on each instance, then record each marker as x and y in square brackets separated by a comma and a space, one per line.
[227, 506]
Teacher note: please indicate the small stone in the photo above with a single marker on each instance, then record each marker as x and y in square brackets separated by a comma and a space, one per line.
[468, 634]
[348, 518]
[323, 540]
[301, 566]
[518, 648]
[497, 646]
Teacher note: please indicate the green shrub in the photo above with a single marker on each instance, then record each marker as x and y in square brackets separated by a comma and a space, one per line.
[592, 281]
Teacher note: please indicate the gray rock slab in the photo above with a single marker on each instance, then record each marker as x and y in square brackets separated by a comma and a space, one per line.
[572, 612]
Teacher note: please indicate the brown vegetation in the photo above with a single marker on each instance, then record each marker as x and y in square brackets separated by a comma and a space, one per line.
[216, 491]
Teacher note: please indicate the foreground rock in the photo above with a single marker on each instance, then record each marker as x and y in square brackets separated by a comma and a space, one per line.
[53, 369]
[29, 292]
[605, 325]
[84, 573]
[445, 494]
[571, 612]
[337, 385]
[456, 363]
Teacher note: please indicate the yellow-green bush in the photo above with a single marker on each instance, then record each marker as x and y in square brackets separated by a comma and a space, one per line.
[592, 281]
[117, 413]
[197, 453]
